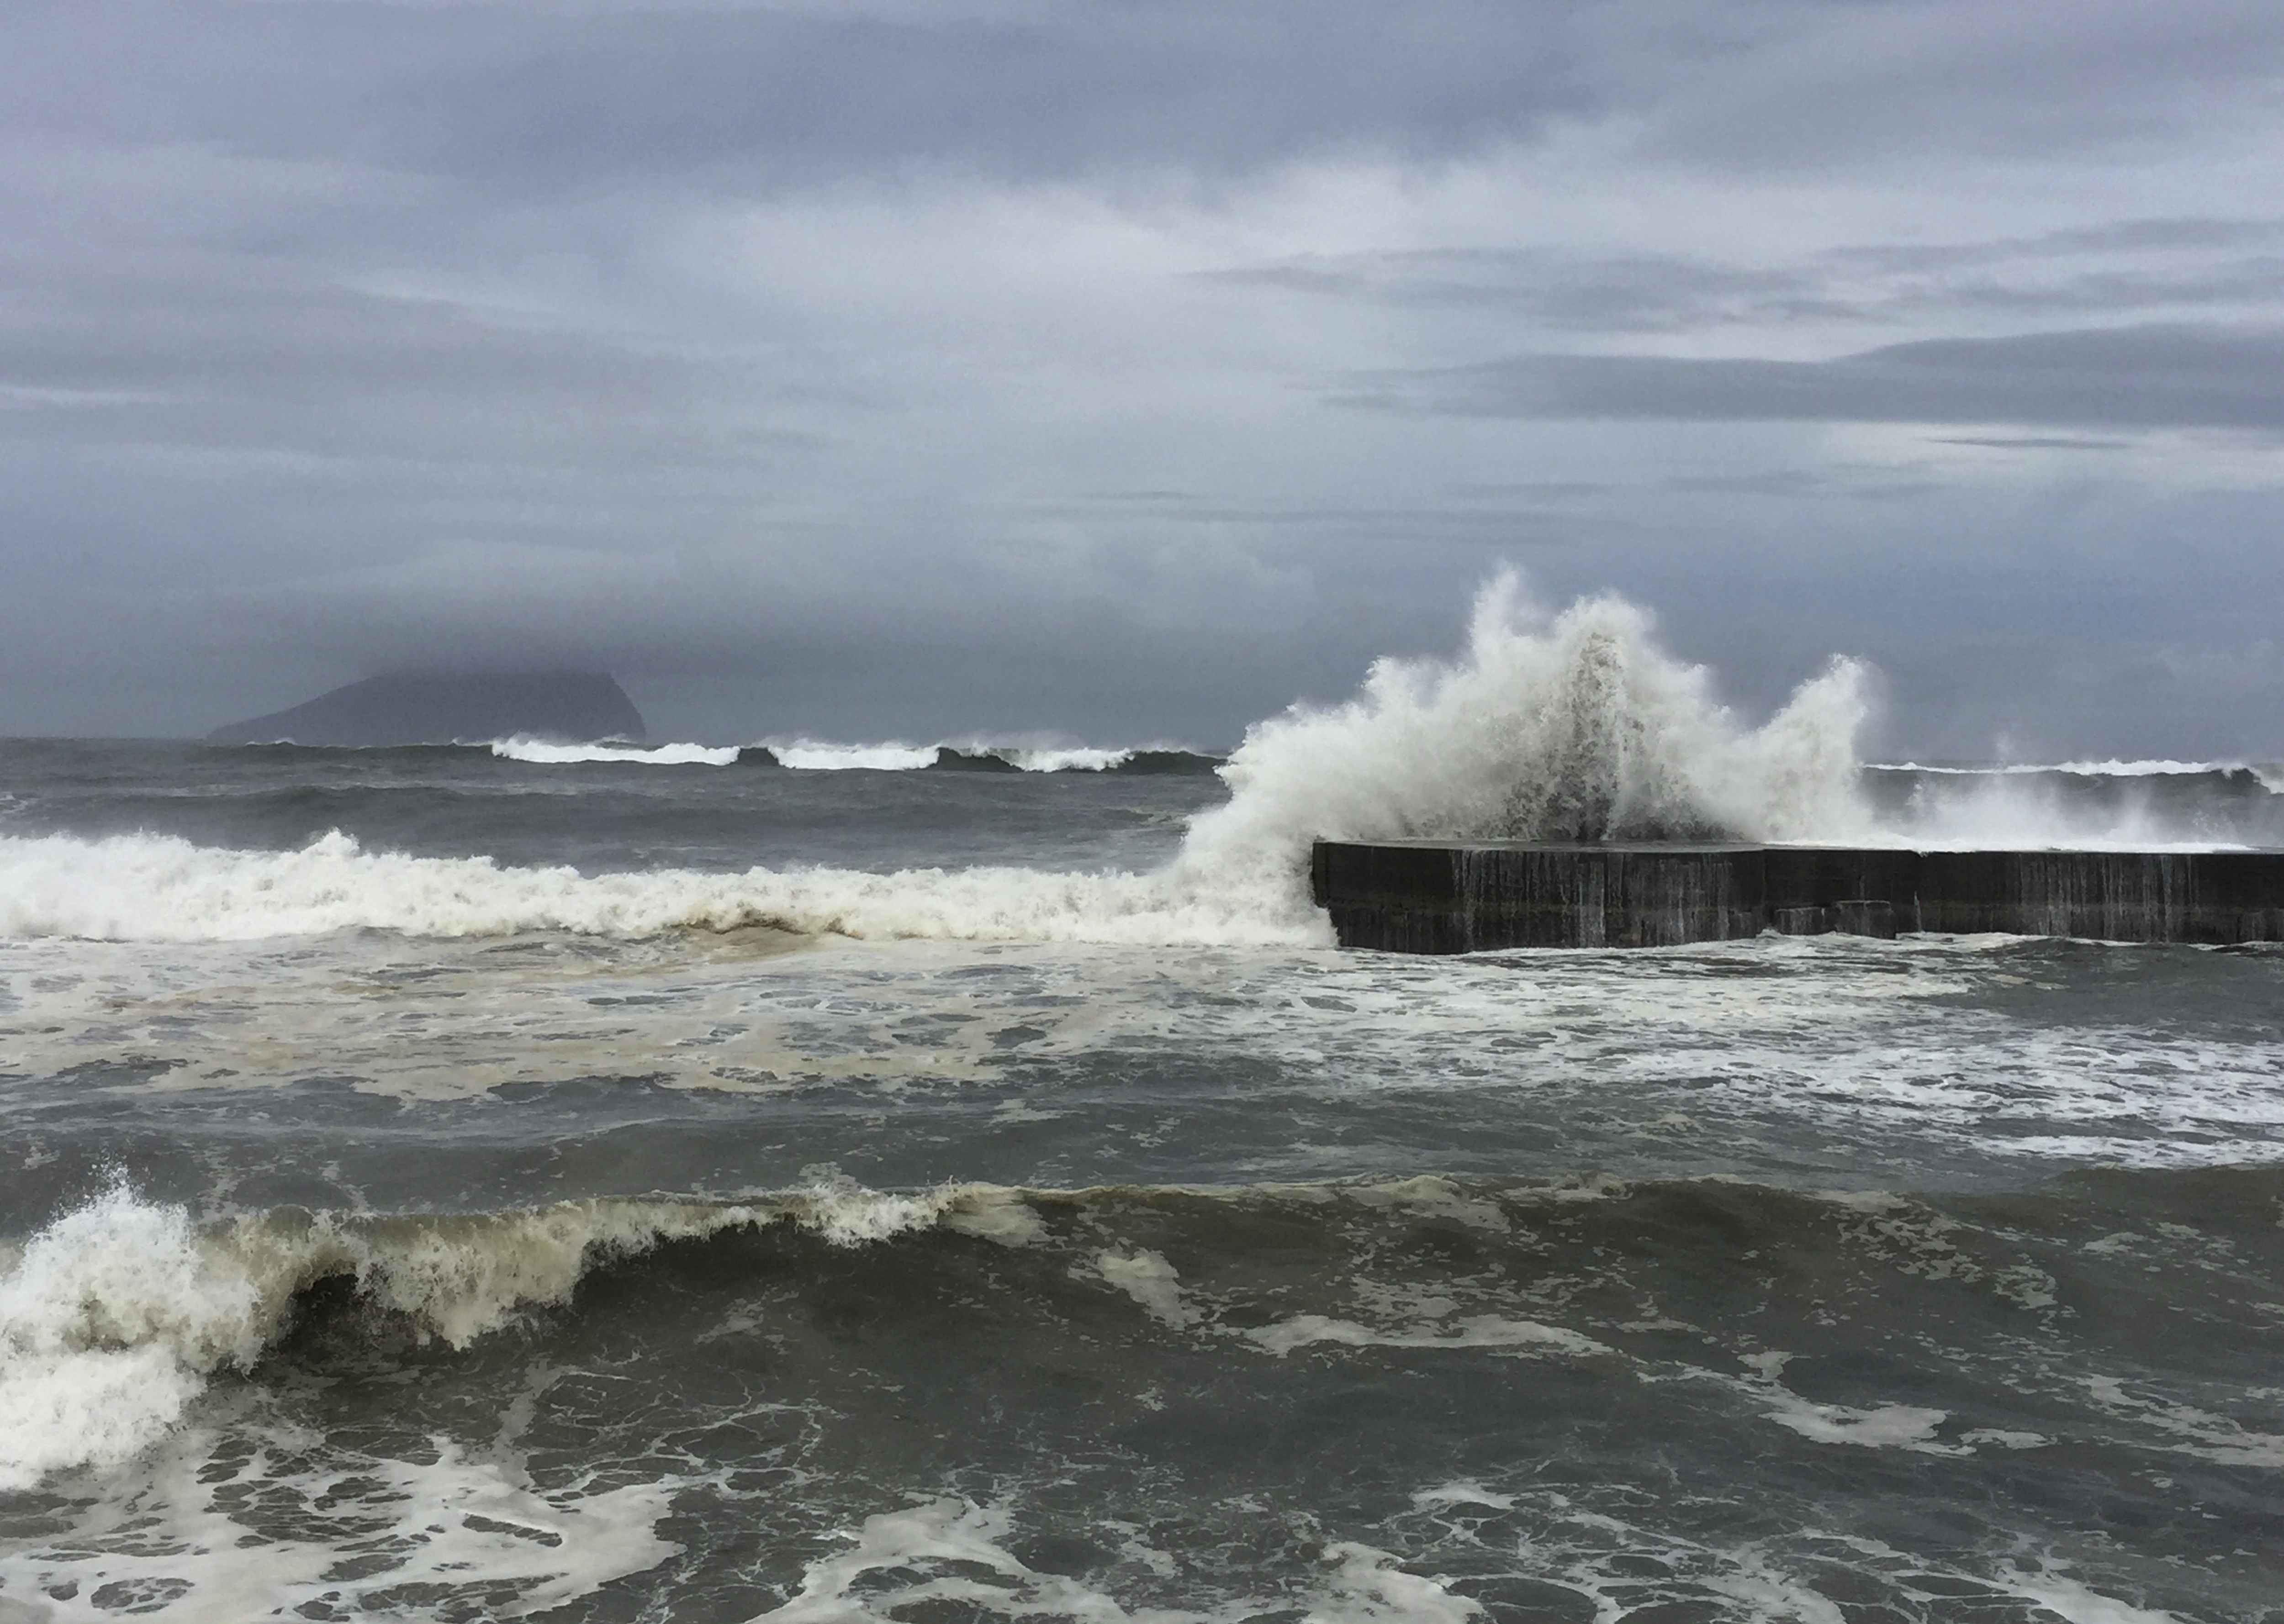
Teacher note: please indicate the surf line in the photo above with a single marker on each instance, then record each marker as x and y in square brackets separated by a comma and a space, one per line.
[1442, 896]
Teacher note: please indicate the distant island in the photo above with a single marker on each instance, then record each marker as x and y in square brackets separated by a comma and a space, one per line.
[429, 707]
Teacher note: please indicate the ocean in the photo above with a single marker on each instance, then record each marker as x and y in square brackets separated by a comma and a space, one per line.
[807, 1183]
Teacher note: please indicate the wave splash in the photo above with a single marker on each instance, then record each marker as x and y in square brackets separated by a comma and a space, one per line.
[1576, 728]
[113, 1318]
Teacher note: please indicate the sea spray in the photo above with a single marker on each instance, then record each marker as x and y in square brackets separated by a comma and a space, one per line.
[1573, 728]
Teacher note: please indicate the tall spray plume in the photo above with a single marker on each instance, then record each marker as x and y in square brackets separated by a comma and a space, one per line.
[1574, 726]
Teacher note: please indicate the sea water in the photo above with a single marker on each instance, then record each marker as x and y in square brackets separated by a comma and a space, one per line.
[709, 1183]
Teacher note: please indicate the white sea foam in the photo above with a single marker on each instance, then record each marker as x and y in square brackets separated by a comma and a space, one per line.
[540, 753]
[954, 1554]
[813, 755]
[113, 1317]
[1490, 1330]
[1150, 1281]
[174, 1538]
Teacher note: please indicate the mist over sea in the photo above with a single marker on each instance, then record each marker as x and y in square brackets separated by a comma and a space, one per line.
[787, 1180]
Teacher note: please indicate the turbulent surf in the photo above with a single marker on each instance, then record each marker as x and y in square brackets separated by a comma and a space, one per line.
[809, 1181]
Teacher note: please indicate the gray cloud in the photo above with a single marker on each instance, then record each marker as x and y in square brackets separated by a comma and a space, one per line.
[547, 97]
[2140, 378]
[1872, 284]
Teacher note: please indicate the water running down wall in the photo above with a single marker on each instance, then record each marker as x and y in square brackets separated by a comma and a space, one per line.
[1433, 897]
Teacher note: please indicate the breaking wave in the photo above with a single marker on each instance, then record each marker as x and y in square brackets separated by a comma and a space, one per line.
[540, 753]
[162, 888]
[113, 1317]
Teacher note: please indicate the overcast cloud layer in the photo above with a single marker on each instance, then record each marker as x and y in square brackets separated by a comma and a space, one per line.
[1129, 372]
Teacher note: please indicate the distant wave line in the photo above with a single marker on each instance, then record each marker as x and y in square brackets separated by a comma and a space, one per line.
[815, 755]
[2271, 776]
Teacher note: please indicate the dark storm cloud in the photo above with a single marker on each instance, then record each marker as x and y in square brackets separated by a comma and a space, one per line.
[1809, 88]
[548, 96]
[2140, 378]
[544, 98]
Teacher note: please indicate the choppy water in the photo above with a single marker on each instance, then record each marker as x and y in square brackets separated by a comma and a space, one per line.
[441, 1186]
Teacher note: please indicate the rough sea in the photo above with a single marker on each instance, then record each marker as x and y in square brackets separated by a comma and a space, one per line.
[507, 1181]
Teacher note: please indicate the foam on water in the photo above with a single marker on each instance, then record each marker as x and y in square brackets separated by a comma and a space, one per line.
[363, 1533]
[954, 1553]
[109, 1322]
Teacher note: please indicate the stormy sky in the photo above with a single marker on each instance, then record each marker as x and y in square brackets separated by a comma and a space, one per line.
[1126, 372]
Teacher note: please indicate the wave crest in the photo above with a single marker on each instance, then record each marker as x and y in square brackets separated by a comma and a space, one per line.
[540, 753]
[113, 1316]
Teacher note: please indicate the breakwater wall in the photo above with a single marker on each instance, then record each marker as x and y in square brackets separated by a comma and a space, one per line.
[1436, 896]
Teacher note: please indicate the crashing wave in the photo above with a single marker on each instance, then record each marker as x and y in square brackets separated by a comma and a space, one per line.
[1576, 728]
[540, 753]
[113, 1318]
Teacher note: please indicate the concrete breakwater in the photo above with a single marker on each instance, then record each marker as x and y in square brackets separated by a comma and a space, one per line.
[1441, 896]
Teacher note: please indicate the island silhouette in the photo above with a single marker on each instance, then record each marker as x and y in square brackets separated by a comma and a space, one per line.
[442, 708]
